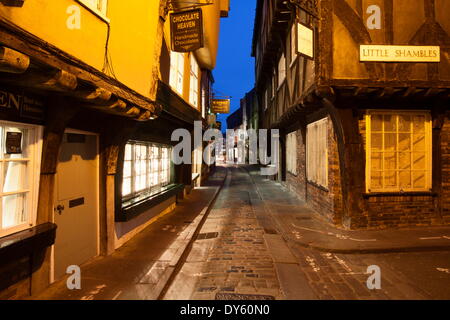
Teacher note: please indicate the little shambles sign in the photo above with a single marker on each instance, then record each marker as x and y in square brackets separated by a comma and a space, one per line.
[382, 53]
[187, 30]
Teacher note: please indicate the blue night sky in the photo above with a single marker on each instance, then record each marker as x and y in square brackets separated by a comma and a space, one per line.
[234, 74]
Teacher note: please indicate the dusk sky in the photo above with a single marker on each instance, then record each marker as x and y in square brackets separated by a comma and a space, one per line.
[234, 74]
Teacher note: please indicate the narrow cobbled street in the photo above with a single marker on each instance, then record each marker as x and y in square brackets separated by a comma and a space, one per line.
[247, 249]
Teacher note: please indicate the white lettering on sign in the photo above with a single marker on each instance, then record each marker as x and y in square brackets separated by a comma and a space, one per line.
[74, 19]
[382, 53]
[374, 19]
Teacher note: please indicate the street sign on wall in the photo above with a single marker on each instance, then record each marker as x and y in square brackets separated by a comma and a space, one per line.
[388, 53]
[186, 30]
[220, 106]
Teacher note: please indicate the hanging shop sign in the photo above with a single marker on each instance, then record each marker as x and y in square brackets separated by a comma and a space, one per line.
[220, 106]
[305, 41]
[187, 30]
[385, 53]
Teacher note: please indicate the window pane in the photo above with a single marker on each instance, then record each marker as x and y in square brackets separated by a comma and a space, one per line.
[419, 124]
[404, 142]
[377, 123]
[14, 212]
[390, 123]
[405, 179]
[127, 169]
[377, 141]
[376, 180]
[404, 160]
[390, 142]
[377, 159]
[128, 154]
[390, 161]
[126, 187]
[390, 179]
[419, 142]
[419, 161]
[404, 123]
[419, 179]
[15, 176]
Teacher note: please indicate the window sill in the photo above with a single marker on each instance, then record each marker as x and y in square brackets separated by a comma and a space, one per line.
[26, 242]
[401, 194]
[97, 13]
[318, 186]
[128, 212]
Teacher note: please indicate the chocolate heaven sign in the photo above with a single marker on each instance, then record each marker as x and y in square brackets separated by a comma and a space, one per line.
[187, 30]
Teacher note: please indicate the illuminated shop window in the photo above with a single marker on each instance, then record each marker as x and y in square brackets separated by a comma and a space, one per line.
[146, 169]
[399, 151]
[176, 71]
[193, 88]
[19, 176]
[317, 152]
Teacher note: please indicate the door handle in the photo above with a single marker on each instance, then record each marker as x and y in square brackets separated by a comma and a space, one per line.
[60, 209]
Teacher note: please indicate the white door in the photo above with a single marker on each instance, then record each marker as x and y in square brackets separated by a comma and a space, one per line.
[76, 203]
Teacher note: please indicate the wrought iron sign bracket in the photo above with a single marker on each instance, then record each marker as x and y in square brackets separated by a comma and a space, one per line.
[176, 5]
[310, 6]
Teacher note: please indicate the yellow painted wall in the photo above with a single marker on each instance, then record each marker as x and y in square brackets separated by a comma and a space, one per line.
[132, 39]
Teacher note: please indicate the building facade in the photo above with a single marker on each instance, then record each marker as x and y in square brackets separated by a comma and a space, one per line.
[360, 92]
[89, 100]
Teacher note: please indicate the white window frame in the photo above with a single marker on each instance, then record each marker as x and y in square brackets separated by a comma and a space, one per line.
[100, 8]
[281, 70]
[317, 152]
[35, 135]
[291, 153]
[194, 82]
[176, 80]
[428, 151]
[150, 188]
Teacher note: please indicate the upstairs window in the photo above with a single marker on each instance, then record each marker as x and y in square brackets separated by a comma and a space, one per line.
[176, 71]
[99, 6]
[146, 170]
[399, 151]
[317, 152]
[20, 154]
[193, 88]
[281, 70]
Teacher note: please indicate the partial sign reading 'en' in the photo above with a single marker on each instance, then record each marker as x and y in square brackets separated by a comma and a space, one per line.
[380, 53]
[187, 30]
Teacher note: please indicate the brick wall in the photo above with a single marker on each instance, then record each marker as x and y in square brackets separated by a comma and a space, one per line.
[297, 183]
[328, 203]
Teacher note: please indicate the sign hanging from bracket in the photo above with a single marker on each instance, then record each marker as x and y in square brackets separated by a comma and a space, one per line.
[186, 30]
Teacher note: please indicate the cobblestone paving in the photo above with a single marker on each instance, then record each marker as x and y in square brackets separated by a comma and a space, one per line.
[233, 255]
[237, 261]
